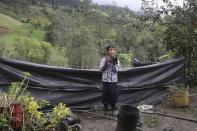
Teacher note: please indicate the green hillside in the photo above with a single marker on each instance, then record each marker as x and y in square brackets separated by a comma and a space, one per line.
[25, 30]
[8, 22]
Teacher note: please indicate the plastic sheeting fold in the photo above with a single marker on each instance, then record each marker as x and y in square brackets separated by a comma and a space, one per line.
[82, 88]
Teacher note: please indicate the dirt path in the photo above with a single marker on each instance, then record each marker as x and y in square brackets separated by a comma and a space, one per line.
[150, 122]
[94, 123]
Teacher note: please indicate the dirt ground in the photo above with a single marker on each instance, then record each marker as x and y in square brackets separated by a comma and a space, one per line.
[150, 122]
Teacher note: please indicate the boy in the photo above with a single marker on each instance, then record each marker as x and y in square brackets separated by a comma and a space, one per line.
[110, 66]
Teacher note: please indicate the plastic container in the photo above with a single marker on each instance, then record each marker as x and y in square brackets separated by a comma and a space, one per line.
[17, 115]
[181, 98]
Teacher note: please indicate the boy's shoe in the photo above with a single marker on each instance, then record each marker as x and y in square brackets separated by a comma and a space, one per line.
[105, 109]
[115, 113]
[105, 112]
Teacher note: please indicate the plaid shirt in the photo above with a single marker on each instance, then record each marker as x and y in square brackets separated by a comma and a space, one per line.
[109, 71]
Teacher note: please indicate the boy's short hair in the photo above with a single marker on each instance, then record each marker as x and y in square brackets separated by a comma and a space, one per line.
[110, 46]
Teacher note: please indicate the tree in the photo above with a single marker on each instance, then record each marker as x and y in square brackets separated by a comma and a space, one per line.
[28, 49]
[85, 6]
[61, 29]
[84, 52]
[48, 50]
[58, 57]
[180, 35]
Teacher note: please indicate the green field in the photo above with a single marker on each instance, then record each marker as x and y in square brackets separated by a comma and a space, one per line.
[8, 22]
[25, 30]
[17, 29]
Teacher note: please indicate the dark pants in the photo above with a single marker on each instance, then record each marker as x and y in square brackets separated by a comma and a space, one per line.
[110, 94]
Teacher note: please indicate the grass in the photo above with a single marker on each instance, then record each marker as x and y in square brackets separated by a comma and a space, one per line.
[26, 30]
[17, 28]
[8, 22]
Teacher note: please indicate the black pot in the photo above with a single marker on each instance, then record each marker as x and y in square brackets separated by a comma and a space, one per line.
[128, 117]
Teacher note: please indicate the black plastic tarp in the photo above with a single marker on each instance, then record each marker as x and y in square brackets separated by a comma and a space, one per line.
[82, 88]
[137, 63]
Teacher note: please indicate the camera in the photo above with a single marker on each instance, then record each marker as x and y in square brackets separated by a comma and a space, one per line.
[114, 60]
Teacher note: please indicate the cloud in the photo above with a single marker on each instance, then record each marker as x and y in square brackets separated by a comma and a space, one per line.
[132, 4]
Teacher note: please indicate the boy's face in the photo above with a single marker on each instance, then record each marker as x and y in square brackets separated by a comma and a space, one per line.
[111, 52]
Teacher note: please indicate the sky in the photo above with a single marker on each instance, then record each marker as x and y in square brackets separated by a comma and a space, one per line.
[134, 5]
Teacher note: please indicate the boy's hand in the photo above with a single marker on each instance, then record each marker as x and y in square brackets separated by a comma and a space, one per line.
[114, 60]
[107, 58]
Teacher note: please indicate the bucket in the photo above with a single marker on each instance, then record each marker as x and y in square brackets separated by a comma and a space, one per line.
[180, 98]
[128, 117]
[17, 115]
